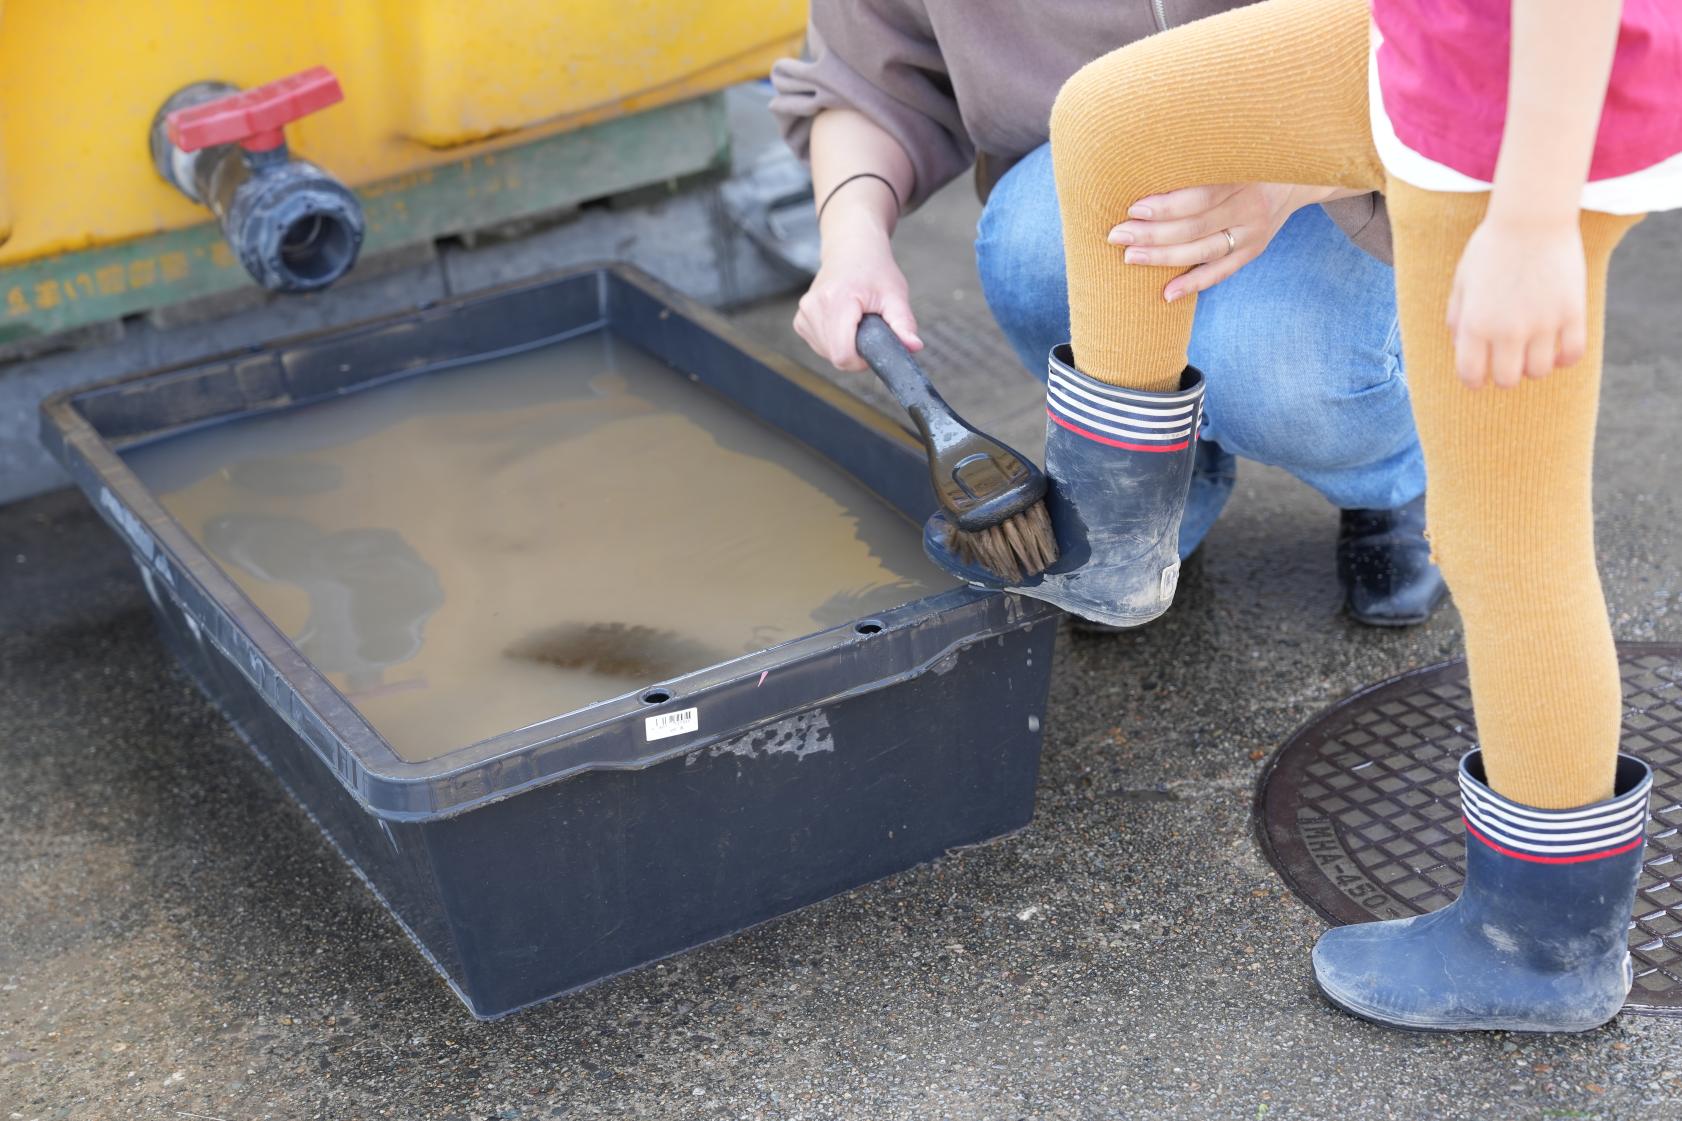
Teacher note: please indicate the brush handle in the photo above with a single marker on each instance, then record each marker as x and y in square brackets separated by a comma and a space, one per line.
[978, 481]
[880, 347]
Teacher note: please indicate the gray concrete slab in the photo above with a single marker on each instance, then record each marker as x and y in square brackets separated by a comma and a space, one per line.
[177, 941]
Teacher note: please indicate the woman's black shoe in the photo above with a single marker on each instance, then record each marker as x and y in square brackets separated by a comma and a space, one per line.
[1384, 565]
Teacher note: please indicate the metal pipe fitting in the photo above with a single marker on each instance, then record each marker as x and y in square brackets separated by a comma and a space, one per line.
[293, 226]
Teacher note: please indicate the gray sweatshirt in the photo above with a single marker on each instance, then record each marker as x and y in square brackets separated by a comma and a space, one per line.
[957, 82]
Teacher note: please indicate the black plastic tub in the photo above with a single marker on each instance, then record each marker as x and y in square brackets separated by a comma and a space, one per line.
[542, 860]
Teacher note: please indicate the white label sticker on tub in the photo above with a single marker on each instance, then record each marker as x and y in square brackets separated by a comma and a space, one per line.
[669, 724]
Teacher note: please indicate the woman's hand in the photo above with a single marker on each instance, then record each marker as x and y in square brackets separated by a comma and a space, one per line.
[858, 275]
[1517, 309]
[1187, 228]
[860, 174]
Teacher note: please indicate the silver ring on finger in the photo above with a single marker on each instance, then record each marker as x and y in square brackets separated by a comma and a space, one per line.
[1231, 242]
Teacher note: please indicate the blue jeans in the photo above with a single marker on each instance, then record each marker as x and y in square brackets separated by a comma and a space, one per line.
[1300, 348]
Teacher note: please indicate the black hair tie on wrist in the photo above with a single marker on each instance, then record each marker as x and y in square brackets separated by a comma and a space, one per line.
[899, 207]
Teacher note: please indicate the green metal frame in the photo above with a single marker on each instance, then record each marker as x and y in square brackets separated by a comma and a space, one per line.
[69, 290]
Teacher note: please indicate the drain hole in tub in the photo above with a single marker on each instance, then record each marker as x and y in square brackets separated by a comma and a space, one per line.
[869, 626]
[656, 697]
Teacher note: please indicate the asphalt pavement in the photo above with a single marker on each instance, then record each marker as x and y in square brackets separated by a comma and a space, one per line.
[178, 941]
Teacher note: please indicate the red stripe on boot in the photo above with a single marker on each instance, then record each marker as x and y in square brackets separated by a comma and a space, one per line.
[1181, 446]
[1574, 858]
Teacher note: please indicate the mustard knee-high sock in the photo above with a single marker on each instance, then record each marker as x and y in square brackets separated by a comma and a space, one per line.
[1275, 92]
[1512, 521]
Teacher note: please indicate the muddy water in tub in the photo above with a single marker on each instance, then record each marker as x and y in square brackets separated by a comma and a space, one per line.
[468, 552]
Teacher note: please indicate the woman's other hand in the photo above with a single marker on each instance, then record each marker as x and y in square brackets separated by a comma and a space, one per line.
[1188, 229]
[1517, 309]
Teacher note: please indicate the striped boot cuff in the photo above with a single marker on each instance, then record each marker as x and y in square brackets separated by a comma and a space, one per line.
[1131, 419]
[1594, 832]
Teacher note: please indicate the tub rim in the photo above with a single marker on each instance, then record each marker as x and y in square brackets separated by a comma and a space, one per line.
[82, 428]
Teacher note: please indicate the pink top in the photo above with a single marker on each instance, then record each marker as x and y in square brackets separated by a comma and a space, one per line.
[1443, 72]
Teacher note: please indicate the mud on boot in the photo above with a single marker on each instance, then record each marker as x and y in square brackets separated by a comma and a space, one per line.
[1119, 463]
[1538, 940]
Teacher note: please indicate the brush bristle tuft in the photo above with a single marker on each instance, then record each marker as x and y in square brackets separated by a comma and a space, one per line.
[1019, 547]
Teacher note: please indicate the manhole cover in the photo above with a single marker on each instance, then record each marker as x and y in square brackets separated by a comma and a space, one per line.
[1360, 810]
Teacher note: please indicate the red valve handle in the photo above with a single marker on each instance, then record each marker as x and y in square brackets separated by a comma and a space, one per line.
[255, 118]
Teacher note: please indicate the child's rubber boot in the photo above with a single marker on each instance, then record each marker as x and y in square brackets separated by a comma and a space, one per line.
[1213, 472]
[1538, 940]
[1119, 462]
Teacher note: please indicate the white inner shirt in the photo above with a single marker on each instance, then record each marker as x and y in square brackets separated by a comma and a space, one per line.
[1658, 187]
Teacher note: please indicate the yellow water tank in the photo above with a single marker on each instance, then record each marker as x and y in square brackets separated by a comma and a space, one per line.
[426, 82]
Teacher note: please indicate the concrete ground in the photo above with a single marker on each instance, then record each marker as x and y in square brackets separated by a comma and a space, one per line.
[178, 941]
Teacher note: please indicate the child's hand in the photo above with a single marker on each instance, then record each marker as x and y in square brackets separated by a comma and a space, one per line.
[1517, 309]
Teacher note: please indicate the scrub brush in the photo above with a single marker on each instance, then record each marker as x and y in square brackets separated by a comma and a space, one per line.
[993, 497]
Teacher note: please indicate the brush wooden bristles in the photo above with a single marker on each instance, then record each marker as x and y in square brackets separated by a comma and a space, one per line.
[1021, 546]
